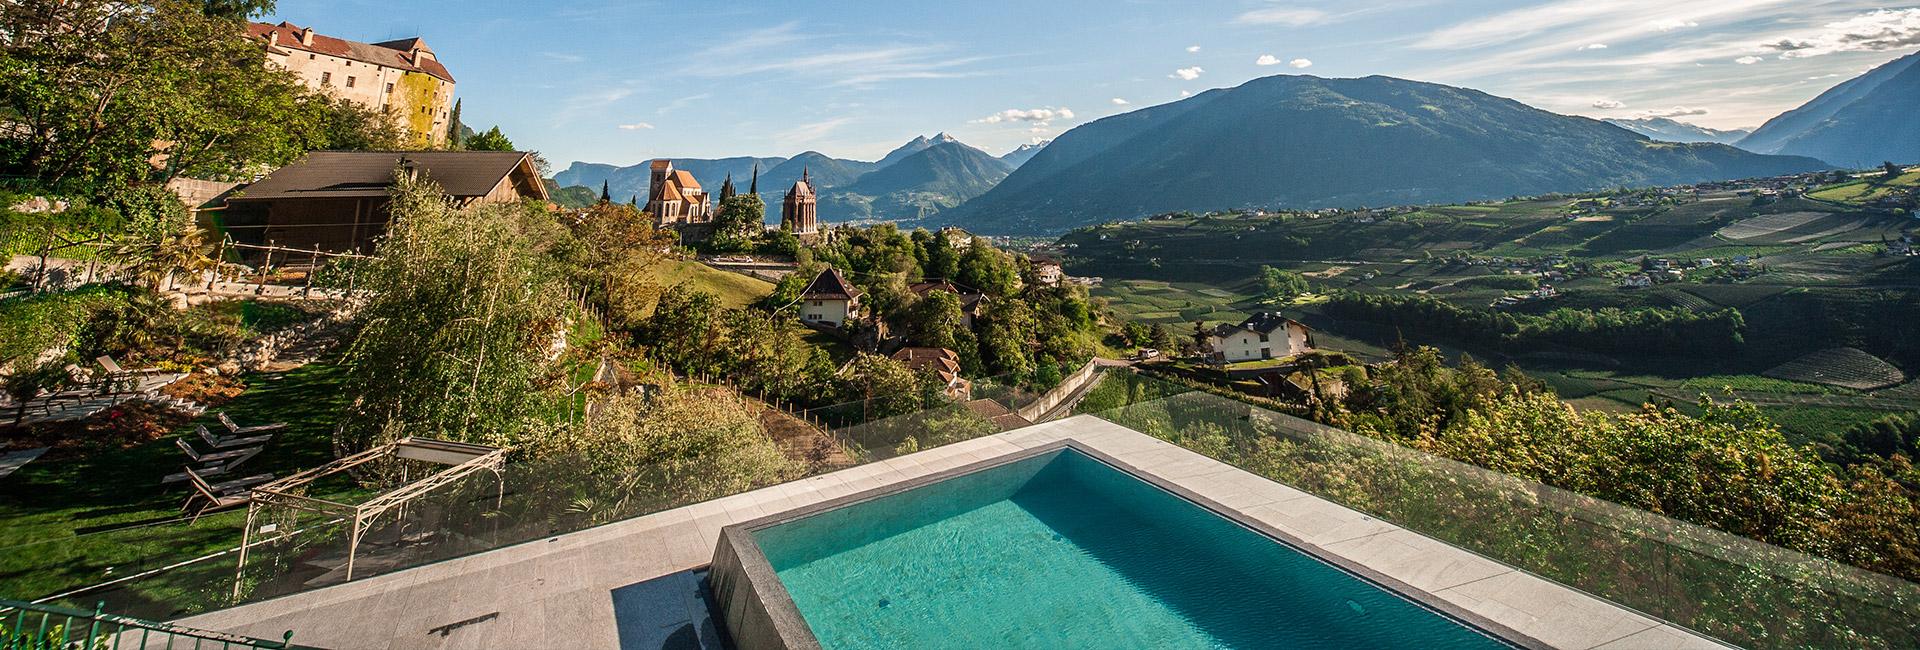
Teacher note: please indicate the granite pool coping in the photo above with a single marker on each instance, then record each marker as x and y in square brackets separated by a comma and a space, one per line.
[555, 592]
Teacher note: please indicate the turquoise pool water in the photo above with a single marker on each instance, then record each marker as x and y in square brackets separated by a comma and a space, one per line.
[1064, 551]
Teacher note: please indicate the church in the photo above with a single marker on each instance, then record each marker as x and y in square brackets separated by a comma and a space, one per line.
[799, 212]
[674, 197]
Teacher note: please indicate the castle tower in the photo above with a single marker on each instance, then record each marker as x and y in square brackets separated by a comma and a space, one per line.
[799, 212]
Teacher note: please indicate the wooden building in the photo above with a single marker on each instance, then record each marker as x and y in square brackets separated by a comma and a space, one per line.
[336, 201]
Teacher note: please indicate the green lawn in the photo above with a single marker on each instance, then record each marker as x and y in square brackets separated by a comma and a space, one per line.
[81, 521]
[735, 290]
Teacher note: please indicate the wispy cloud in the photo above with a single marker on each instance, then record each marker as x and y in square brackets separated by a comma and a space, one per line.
[562, 57]
[1593, 46]
[1193, 49]
[1284, 17]
[680, 103]
[1878, 31]
[811, 133]
[636, 126]
[1119, 102]
[1677, 111]
[1608, 104]
[590, 103]
[771, 50]
[1748, 60]
[1187, 74]
[1037, 116]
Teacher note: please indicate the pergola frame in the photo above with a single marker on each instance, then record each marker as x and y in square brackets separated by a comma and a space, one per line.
[463, 459]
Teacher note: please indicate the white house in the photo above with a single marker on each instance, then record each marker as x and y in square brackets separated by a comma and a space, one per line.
[1266, 335]
[1047, 272]
[830, 299]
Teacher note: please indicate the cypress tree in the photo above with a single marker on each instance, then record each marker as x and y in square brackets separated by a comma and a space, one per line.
[453, 127]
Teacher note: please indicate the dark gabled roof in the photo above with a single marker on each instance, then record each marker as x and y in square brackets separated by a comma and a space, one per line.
[1261, 323]
[359, 174]
[830, 285]
[392, 54]
[970, 298]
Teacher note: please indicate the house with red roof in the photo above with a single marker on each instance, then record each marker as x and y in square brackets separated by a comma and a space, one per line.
[402, 78]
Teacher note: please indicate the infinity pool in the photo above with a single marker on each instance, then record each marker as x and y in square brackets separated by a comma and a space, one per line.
[1064, 551]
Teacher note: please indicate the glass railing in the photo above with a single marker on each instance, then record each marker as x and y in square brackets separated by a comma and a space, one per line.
[1740, 591]
[151, 573]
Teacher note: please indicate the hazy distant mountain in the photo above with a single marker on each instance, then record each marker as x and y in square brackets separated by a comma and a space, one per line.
[914, 146]
[1860, 123]
[1666, 130]
[1308, 142]
[826, 172]
[632, 181]
[937, 178]
[1020, 155]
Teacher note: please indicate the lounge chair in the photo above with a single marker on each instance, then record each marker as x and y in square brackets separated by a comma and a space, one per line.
[214, 468]
[215, 456]
[238, 430]
[223, 442]
[114, 369]
[218, 496]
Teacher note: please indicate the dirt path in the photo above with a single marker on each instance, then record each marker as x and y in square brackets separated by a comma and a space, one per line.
[803, 443]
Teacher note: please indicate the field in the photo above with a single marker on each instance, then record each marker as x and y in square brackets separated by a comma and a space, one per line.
[1843, 367]
[735, 290]
[1812, 278]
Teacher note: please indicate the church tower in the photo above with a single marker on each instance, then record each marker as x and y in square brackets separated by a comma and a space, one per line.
[798, 213]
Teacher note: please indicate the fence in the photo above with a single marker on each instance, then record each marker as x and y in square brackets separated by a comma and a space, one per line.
[27, 626]
[1726, 586]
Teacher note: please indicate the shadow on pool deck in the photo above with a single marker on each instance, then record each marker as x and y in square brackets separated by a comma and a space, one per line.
[671, 612]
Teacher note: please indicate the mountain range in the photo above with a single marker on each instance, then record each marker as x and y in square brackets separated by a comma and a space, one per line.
[1023, 153]
[1669, 130]
[920, 178]
[1308, 142]
[1867, 120]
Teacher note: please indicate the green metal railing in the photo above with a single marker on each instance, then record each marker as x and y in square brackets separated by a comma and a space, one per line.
[30, 626]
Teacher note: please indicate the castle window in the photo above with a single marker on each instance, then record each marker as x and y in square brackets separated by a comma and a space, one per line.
[349, 81]
[326, 78]
[389, 89]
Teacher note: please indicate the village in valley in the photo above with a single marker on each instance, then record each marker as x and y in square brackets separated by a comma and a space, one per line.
[327, 331]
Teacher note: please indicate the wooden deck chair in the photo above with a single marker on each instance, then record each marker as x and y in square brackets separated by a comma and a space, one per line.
[238, 430]
[210, 497]
[196, 456]
[213, 469]
[222, 442]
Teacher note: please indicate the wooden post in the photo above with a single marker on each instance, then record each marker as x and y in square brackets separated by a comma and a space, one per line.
[219, 258]
[261, 288]
[313, 268]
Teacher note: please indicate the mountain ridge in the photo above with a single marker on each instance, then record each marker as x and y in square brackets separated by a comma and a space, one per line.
[1857, 123]
[1297, 141]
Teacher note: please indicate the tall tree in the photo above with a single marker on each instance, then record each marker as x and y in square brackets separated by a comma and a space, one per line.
[454, 126]
[490, 140]
[90, 87]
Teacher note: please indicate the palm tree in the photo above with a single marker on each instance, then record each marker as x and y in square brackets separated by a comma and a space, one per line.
[155, 259]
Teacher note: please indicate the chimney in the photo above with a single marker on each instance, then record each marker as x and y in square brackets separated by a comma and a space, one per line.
[306, 36]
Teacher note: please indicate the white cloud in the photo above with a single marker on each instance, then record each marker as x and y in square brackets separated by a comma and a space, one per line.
[1670, 24]
[1748, 60]
[1119, 102]
[1284, 16]
[1267, 59]
[1876, 31]
[1038, 116]
[1608, 104]
[1677, 111]
[1186, 93]
[1299, 64]
[559, 57]
[636, 126]
[1187, 74]
[1193, 49]
[1593, 46]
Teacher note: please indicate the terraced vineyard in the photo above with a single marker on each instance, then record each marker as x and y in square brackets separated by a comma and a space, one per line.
[1844, 367]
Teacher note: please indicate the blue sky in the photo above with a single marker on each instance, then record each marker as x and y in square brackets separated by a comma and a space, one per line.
[621, 82]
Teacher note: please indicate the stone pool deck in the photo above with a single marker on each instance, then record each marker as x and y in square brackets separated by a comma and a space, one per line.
[632, 584]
